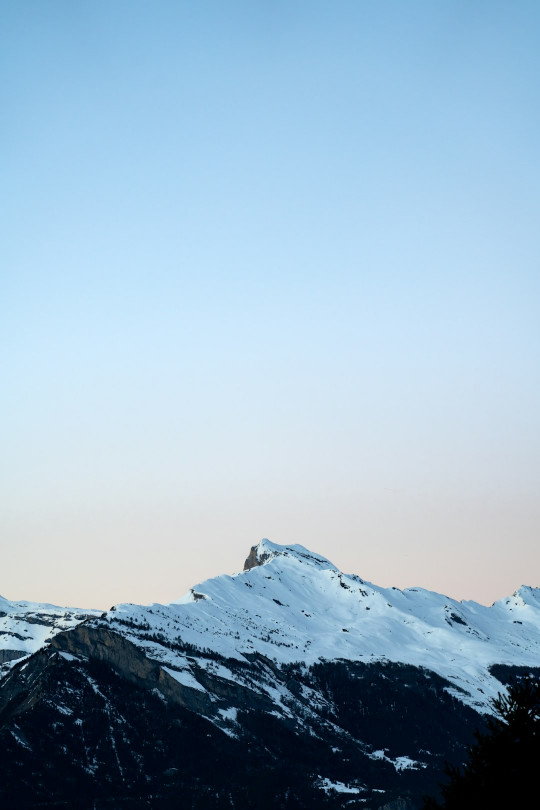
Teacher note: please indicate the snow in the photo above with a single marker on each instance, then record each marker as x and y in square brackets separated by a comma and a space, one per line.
[402, 763]
[26, 626]
[339, 787]
[295, 606]
[229, 714]
[68, 657]
[185, 678]
[399, 763]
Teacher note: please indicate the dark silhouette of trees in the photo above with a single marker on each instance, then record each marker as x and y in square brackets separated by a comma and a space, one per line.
[502, 770]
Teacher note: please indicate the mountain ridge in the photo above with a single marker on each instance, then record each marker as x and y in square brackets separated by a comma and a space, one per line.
[286, 684]
[293, 605]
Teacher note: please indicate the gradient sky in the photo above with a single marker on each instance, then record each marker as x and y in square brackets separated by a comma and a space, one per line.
[268, 269]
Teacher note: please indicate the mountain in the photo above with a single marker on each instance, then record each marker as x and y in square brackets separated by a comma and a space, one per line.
[289, 684]
[27, 626]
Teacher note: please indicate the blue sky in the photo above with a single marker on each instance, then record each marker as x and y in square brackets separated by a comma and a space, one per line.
[269, 269]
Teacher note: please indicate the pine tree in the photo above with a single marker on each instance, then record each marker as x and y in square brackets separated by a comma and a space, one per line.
[502, 769]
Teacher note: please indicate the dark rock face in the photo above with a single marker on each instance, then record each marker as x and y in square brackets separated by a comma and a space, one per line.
[90, 721]
[100, 644]
[256, 557]
[251, 560]
[10, 655]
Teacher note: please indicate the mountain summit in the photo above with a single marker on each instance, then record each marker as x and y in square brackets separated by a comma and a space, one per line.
[265, 551]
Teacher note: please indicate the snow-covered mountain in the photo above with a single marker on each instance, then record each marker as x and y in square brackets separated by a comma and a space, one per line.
[292, 605]
[27, 626]
[288, 684]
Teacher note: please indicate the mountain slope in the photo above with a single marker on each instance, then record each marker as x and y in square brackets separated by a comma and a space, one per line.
[291, 605]
[26, 626]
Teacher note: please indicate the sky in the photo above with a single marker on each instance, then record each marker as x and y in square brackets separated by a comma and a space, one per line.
[268, 269]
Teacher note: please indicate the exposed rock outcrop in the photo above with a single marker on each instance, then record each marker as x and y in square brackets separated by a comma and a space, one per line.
[251, 559]
[102, 644]
[10, 655]
[257, 556]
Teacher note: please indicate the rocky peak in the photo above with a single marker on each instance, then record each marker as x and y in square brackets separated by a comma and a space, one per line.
[258, 555]
[266, 550]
